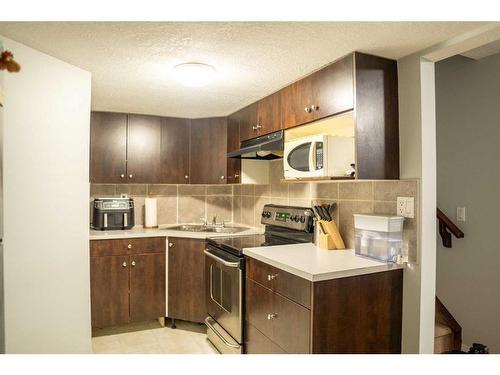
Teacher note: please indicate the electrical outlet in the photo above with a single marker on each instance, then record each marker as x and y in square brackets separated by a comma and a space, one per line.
[461, 214]
[406, 207]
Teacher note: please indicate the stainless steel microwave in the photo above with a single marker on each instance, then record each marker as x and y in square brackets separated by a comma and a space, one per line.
[318, 156]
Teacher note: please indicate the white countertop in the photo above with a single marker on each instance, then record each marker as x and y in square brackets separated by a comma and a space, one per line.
[164, 231]
[315, 264]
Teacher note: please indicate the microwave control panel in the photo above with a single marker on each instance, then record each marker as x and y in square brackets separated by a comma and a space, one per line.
[319, 155]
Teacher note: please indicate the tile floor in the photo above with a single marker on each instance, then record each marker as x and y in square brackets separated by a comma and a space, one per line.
[151, 338]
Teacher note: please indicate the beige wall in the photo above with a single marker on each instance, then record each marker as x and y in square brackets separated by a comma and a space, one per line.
[243, 203]
[468, 139]
[176, 203]
[46, 121]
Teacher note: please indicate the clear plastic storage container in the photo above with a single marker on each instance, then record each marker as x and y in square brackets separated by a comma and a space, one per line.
[379, 236]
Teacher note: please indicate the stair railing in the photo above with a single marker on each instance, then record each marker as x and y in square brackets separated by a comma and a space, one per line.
[447, 228]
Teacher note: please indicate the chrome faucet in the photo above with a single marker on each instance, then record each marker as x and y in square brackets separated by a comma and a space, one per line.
[204, 221]
[214, 220]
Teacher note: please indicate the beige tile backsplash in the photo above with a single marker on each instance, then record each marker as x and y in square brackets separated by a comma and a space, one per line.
[243, 203]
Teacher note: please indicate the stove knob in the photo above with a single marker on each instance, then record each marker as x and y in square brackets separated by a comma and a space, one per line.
[302, 219]
[264, 214]
[292, 217]
[297, 218]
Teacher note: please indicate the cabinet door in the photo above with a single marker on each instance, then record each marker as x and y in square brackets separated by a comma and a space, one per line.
[259, 303]
[269, 114]
[291, 325]
[147, 286]
[175, 150]
[233, 143]
[248, 122]
[208, 161]
[109, 287]
[333, 88]
[296, 100]
[108, 147]
[143, 149]
[186, 281]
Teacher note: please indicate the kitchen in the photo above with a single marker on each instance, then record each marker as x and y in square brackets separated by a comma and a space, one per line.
[196, 169]
[272, 225]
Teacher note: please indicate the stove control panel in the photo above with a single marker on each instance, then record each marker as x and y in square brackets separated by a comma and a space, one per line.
[297, 218]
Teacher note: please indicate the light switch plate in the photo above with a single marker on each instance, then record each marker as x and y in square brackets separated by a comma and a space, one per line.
[461, 214]
[406, 207]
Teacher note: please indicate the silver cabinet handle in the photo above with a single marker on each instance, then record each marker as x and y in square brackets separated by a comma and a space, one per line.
[221, 177]
[220, 260]
[271, 277]
[271, 316]
[308, 109]
[129, 246]
[130, 175]
[122, 176]
[236, 175]
[133, 263]
[170, 244]
[124, 264]
[314, 108]
[186, 177]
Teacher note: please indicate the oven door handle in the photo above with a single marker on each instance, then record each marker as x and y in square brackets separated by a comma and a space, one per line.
[220, 260]
[217, 333]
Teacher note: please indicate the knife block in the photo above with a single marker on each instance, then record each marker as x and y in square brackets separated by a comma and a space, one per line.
[331, 240]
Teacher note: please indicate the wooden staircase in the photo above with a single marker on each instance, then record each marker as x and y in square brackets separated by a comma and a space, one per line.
[447, 332]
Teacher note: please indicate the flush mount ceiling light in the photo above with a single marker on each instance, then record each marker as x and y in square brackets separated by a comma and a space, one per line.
[194, 74]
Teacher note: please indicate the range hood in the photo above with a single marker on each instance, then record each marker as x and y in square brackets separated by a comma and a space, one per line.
[266, 147]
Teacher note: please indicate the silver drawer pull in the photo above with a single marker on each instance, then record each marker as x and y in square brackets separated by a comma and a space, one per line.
[220, 260]
[271, 277]
[129, 246]
[133, 263]
[271, 316]
[212, 328]
[124, 264]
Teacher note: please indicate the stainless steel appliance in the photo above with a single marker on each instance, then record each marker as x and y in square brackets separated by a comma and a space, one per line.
[225, 271]
[318, 156]
[113, 213]
[265, 147]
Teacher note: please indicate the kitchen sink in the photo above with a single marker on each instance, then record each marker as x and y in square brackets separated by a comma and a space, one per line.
[208, 229]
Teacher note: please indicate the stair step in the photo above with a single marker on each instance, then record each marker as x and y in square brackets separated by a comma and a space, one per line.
[441, 330]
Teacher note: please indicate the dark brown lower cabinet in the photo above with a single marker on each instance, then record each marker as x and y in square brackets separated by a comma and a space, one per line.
[186, 280]
[358, 314]
[127, 280]
[109, 281]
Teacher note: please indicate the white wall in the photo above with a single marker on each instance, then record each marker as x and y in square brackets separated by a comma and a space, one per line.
[468, 139]
[46, 190]
[418, 160]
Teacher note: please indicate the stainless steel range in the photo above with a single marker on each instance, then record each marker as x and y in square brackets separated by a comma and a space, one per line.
[225, 271]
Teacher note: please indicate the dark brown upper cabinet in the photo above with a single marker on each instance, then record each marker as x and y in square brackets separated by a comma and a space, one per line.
[324, 93]
[248, 122]
[233, 143]
[208, 160]
[296, 101]
[175, 134]
[269, 114]
[108, 147]
[376, 117]
[143, 149]
[333, 88]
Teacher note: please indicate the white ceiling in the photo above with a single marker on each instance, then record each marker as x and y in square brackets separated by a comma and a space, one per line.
[131, 63]
[483, 51]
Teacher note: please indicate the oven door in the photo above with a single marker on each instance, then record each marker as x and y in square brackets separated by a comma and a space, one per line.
[304, 157]
[224, 294]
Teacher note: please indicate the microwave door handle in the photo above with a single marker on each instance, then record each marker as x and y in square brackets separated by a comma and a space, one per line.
[312, 157]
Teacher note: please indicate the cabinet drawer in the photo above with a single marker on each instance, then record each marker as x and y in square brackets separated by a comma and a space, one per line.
[127, 246]
[147, 245]
[282, 282]
[258, 343]
[283, 321]
[259, 305]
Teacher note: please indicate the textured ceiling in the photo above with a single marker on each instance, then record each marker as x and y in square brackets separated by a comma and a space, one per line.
[131, 62]
[483, 51]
